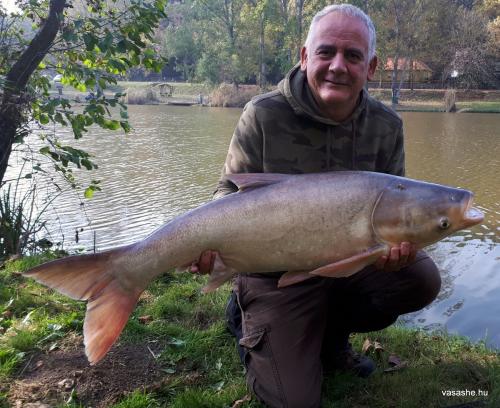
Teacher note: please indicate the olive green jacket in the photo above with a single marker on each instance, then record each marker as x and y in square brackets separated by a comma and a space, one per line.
[283, 132]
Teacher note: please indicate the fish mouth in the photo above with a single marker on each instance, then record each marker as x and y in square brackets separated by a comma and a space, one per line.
[471, 215]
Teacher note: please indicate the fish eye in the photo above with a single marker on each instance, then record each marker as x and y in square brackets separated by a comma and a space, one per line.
[444, 223]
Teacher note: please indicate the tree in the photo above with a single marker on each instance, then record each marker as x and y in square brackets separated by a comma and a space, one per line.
[471, 52]
[90, 47]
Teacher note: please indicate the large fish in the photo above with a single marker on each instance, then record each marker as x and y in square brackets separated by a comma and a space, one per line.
[327, 224]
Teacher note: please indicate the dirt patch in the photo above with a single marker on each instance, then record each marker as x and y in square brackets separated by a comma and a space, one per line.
[52, 378]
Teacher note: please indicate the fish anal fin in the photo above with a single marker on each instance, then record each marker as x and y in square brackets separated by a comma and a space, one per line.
[293, 277]
[107, 313]
[220, 274]
[349, 266]
[246, 181]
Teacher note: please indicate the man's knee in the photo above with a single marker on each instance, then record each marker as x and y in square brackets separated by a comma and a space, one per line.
[424, 282]
[411, 288]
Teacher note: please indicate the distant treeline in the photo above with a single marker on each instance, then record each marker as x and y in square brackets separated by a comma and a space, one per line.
[257, 41]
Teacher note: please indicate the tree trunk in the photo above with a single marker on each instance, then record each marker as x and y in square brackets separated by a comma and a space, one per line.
[14, 101]
[284, 12]
[394, 82]
[300, 11]
[262, 67]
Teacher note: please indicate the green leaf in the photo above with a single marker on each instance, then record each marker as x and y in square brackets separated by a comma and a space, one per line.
[89, 193]
[81, 87]
[44, 119]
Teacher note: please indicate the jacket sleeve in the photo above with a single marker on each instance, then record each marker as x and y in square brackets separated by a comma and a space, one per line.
[245, 151]
[396, 162]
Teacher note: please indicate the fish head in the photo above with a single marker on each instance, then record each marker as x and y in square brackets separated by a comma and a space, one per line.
[422, 213]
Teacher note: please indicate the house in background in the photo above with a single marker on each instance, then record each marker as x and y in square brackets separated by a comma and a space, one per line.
[413, 71]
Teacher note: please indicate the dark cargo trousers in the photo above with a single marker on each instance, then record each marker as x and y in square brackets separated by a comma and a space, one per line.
[289, 333]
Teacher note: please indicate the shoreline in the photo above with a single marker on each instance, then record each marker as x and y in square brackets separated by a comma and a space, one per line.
[226, 95]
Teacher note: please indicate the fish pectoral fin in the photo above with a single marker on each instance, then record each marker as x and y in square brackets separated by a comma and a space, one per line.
[247, 181]
[349, 266]
[220, 274]
[293, 277]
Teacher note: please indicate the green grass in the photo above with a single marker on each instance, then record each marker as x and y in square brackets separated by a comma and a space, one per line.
[181, 89]
[31, 316]
[138, 399]
[199, 360]
[480, 106]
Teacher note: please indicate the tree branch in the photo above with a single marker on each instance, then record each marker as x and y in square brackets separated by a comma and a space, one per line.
[18, 76]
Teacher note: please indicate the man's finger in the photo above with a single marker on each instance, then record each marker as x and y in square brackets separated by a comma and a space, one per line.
[413, 253]
[393, 261]
[205, 263]
[380, 263]
[404, 253]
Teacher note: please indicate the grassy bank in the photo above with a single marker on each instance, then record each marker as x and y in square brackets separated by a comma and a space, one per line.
[432, 100]
[176, 352]
[227, 95]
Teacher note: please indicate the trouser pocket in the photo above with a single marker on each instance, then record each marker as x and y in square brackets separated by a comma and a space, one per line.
[263, 377]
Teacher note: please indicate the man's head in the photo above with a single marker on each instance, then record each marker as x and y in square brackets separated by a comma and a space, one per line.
[338, 58]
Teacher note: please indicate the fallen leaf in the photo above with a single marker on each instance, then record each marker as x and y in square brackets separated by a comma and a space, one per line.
[218, 364]
[396, 364]
[67, 383]
[378, 347]
[218, 386]
[240, 402]
[394, 360]
[399, 367]
[367, 346]
[53, 346]
[145, 319]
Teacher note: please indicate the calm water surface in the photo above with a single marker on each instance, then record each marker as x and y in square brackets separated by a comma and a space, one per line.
[172, 161]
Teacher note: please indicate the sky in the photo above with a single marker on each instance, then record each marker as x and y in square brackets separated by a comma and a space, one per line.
[9, 5]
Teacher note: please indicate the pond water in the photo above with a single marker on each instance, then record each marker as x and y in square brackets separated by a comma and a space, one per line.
[171, 162]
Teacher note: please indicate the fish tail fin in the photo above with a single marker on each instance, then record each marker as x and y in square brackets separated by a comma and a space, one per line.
[107, 313]
[90, 277]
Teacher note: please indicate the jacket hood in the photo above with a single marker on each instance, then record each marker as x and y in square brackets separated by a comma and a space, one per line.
[295, 89]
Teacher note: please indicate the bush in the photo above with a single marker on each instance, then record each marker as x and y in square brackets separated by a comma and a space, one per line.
[141, 96]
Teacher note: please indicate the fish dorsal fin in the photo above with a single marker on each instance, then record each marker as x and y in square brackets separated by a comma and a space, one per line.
[246, 181]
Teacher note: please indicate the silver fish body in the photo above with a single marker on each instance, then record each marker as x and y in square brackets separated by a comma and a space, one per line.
[326, 224]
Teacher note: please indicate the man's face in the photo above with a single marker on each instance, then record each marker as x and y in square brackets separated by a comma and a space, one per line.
[336, 63]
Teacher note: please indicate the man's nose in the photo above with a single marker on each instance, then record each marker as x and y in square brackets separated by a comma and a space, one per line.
[338, 63]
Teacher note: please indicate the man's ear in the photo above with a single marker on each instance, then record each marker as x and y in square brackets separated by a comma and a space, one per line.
[372, 67]
[303, 58]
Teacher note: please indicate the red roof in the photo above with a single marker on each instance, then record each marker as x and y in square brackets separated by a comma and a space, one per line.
[403, 63]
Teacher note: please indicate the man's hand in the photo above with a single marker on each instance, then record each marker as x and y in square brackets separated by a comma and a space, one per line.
[399, 257]
[205, 263]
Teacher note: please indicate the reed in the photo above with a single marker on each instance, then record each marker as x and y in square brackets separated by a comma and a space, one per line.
[228, 95]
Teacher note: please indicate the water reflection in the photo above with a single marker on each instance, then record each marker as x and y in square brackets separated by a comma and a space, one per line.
[172, 160]
[463, 151]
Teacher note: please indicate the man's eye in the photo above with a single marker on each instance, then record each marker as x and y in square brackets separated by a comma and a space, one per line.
[353, 56]
[325, 52]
